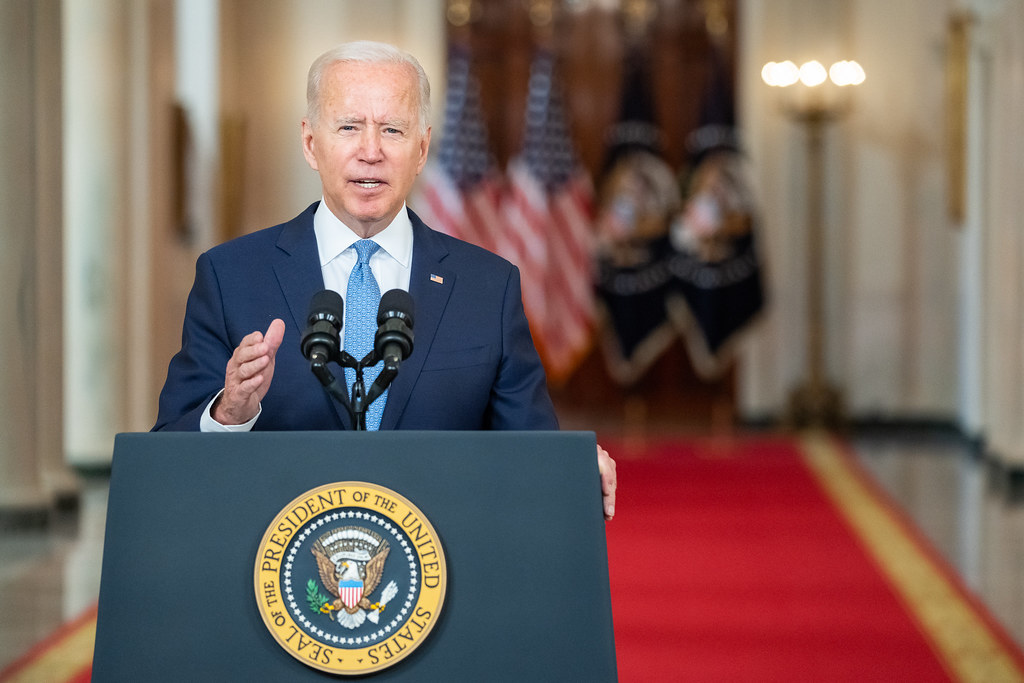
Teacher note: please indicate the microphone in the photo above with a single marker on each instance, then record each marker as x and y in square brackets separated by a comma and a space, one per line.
[393, 341]
[320, 341]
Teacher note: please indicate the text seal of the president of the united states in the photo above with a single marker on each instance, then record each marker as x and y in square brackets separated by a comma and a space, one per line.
[350, 578]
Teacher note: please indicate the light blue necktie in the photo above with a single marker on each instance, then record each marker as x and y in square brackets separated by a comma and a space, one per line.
[361, 303]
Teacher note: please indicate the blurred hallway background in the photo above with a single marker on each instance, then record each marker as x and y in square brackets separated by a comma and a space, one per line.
[862, 269]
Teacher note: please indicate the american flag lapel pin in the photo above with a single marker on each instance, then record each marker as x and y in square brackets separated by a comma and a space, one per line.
[436, 278]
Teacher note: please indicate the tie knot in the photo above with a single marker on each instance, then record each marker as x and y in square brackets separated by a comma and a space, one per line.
[365, 249]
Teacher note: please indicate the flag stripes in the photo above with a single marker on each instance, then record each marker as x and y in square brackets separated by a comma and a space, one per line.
[538, 212]
[549, 221]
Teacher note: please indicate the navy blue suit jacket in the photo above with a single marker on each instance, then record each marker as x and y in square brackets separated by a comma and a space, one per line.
[473, 364]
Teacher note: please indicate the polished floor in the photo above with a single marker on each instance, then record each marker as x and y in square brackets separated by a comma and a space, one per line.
[51, 575]
[965, 506]
[968, 507]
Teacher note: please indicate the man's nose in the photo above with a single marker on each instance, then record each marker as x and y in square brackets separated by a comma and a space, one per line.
[370, 145]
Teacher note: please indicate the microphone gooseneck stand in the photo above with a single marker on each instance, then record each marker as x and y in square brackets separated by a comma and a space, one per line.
[361, 398]
[392, 343]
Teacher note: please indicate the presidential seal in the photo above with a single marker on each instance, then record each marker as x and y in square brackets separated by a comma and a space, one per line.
[350, 578]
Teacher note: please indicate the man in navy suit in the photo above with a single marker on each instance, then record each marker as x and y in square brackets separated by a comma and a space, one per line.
[473, 366]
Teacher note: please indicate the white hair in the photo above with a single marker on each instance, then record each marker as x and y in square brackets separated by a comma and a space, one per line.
[370, 52]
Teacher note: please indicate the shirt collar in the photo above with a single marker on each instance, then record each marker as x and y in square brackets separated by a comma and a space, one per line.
[333, 237]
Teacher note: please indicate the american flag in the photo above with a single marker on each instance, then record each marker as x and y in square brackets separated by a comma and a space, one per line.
[460, 194]
[548, 212]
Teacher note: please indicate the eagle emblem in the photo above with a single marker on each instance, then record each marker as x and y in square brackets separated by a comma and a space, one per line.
[350, 561]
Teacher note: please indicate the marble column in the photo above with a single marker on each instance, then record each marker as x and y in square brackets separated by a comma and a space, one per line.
[58, 478]
[96, 195]
[31, 469]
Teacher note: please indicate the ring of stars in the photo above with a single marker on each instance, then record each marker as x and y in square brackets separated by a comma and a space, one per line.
[383, 631]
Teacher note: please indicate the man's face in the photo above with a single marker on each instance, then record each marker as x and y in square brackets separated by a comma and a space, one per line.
[366, 145]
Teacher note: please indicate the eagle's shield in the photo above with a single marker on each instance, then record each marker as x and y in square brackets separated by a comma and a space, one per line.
[350, 592]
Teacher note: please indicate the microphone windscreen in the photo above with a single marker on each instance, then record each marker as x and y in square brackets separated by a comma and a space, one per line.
[396, 303]
[326, 304]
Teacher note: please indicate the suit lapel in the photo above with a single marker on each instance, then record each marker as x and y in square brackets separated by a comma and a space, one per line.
[298, 272]
[298, 266]
[430, 285]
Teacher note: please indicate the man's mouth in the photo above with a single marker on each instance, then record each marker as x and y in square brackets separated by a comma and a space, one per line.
[368, 184]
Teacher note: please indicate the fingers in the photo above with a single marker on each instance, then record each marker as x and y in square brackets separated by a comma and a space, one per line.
[248, 360]
[256, 353]
[256, 350]
[247, 377]
[609, 481]
[248, 374]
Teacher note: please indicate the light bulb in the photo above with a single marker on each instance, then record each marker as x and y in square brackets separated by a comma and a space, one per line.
[846, 73]
[780, 74]
[812, 73]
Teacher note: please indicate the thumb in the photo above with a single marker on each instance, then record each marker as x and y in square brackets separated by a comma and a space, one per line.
[274, 335]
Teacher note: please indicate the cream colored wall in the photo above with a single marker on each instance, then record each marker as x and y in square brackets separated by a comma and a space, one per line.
[997, 216]
[923, 311]
[267, 50]
[129, 266]
[890, 248]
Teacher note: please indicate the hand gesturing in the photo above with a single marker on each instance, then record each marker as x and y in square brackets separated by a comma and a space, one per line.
[248, 375]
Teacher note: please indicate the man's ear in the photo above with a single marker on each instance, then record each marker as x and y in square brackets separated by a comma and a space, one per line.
[424, 150]
[308, 145]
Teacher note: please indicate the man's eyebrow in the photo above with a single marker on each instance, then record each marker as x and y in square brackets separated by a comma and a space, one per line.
[386, 123]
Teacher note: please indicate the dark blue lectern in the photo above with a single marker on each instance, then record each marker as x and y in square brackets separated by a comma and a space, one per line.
[518, 515]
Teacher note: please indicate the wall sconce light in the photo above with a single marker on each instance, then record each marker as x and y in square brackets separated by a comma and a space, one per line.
[812, 73]
[821, 96]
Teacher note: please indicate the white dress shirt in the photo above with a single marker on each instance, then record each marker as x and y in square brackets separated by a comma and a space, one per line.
[391, 266]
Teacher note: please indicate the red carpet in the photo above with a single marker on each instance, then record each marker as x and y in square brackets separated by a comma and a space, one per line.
[751, 560]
